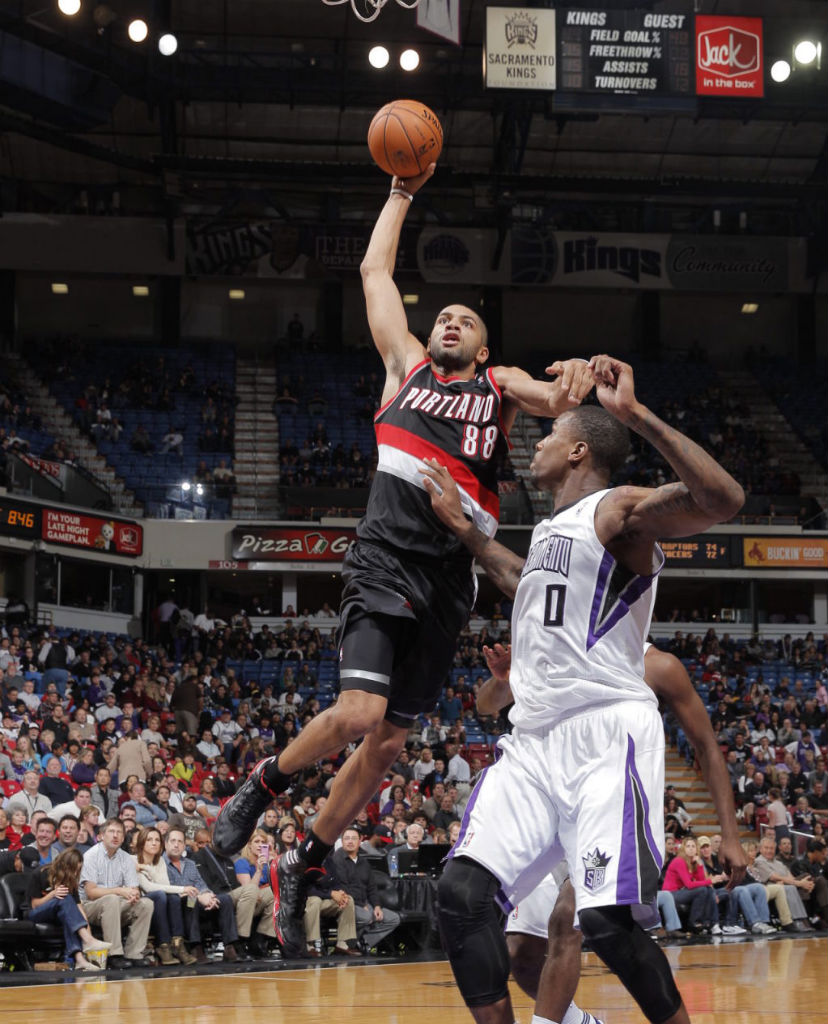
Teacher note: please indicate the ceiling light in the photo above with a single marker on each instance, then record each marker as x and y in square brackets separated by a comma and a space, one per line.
[750, 307]
[780, 71]
[69, 7]
[137, 30]
[167, 44]
[185, 486]
[409, 60]
[59, 288]
[378, 57]
[140, 291]
[236, 293]
[805, 52]
[410, 299]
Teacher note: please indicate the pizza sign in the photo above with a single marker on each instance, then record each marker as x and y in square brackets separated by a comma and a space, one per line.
[729, 58]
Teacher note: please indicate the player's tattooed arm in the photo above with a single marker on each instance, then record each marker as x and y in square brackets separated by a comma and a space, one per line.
[706, 494]
[502, 566]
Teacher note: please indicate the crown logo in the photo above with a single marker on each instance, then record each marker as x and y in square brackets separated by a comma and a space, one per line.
[522, 29]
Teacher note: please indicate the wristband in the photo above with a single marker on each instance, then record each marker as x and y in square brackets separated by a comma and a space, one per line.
[402, 192]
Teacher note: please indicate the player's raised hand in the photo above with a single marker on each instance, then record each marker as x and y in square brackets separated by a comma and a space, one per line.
[498, 660]
[615, 387]
[576, 376]
[445, 498]
[413, 185]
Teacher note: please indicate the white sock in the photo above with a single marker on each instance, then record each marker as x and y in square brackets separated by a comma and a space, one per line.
[575, 1015]
[542, 1020]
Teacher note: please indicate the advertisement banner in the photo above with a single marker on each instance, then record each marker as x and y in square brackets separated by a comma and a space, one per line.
[462, 255]
[718, 263]
[81, 531]
[520, 48]
[729, 58]
[286, 544]
[53, 470]
[621, 52]
[785, 552]
[274, 249]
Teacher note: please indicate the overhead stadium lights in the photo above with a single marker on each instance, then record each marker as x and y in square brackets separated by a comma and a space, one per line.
[409, 60]
[137, 30]
[378, 57]
[167, 44]
[805, 52]
[780, 71]
[69, 7]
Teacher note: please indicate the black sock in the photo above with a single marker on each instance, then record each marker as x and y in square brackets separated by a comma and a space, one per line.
[314, 850]
[276, 781]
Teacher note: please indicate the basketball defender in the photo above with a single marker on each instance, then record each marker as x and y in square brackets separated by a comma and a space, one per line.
[581, 777]
[544, 948]
[408, 582]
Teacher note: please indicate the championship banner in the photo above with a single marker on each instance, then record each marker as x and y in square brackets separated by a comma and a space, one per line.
[785, 553]
[81, 531]
[278, 544]
[619, 52]
[729, 57]
[519, 51]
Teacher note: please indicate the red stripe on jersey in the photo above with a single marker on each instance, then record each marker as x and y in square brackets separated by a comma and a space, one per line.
[396, 394]
[410, 443]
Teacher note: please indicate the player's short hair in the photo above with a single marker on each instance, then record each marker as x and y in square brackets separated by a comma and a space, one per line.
[608, 439]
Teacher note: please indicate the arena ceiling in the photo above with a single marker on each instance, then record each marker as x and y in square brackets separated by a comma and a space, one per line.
[267, 103]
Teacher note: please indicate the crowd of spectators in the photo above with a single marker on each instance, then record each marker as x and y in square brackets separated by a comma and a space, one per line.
[111, 739]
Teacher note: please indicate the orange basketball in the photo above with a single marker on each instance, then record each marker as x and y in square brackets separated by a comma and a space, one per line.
[405, 137]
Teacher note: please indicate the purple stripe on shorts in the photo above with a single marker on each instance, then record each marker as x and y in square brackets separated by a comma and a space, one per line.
[626, 889]
[630, 870]
[655, 849]
[467, 813]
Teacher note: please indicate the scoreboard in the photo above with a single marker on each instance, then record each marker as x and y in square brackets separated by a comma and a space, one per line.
[19, 519]
[625, 52]
[704, 552]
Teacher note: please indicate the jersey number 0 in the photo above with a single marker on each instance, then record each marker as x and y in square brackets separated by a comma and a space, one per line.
[555, 599]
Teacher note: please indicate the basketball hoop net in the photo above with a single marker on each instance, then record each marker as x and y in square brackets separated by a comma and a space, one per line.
[368, 10]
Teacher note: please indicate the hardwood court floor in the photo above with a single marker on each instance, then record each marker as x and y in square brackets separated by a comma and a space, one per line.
[756, 982]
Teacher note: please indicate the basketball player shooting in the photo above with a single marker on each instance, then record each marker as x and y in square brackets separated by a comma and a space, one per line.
[581, 777]
[408, 582]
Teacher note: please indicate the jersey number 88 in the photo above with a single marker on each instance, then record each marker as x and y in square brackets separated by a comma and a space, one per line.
[475, 443]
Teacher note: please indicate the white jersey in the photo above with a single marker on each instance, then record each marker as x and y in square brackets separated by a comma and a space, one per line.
[579, 623]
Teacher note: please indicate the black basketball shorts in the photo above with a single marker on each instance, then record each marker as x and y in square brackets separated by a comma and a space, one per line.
[399, 623]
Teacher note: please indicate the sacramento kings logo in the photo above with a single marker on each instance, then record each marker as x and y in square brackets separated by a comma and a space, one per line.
[594, 864]
[522, 29]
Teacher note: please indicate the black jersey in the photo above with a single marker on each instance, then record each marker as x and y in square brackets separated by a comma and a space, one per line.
[458, 422]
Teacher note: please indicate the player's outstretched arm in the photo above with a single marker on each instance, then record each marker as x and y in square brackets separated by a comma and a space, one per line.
[667, 677]
[707, 493]
[573, 381]
[502, 566]
[396, 345]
